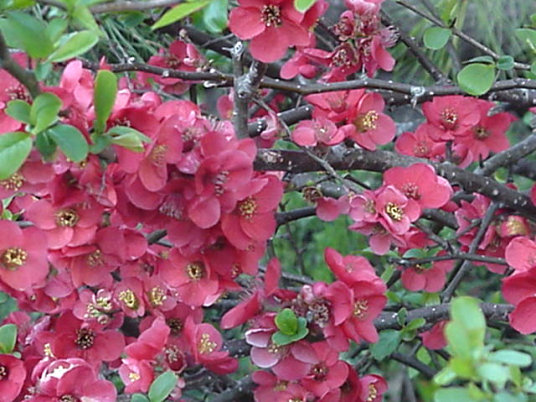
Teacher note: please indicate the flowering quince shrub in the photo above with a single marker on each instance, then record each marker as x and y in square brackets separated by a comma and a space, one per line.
[154, 234]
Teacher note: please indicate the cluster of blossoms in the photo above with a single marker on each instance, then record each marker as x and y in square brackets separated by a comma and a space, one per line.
[87, 257]
[275, 25]
[466, 127]
[333, 314]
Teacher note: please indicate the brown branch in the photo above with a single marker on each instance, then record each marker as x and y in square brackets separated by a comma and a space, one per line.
[25, 77]
[379, 161]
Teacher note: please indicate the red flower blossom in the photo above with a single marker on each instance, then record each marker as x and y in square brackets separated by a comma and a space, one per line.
[12, 376]
[452, 115]
[420, 143]
[23, 256]
[321, 130]
[272, 25]
[520, 254]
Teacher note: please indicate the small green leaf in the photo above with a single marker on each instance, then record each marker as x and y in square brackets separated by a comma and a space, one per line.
[480, 59]
[511, 357]
[452, 394]
[416, 324]
[179, 12]
[436, 37]
[44, 111]
[493, 372]
[84, 17]
[281, 339]
[476, 79]
[465, 332]
[42, 70]
[75, 45]
[402, 316]
[14, 149]
[214, 16]
[25, 32]
[104, 97]
[162, 386]
[128, 138]
[8, 338]
[533, 68]
[99, 143]
[70, 140]
[139, 398]
[287, 322]
[45, 145]
[55, 28]
[303, 5]
[527, 36]
[505, 63]
[387, 344]
[19, 110]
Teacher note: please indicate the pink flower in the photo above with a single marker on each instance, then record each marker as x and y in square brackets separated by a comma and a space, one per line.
[489, 133]
[420, 143]
[431, 279]
[272, 25]
[520, 254]
[23, 256]
[395, 211]
[434, 338]
[312, 132]
[519, 289]
[420, 185]
[366, 124]
[453, 115]
[12, 376]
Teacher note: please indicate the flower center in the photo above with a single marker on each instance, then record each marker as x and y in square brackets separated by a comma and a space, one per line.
[129, 298]
[411, 190]
[394, 211]
[158, 154]
[366, 122]
[206, 345]
[247, 208]
[13, 258]
[318, 312]
[271, 15]
[343, 56]
[13, 182]
[67, 218]
[84, 338]
[18, 92]
[133, 376]
[219, 181]
[449, 118]
[68, 398]
[319, 372]
[420, 149]
[4, 372]
[372, 393]
[175, 325]
[195, 270]
[95, 258]
[481, 133]
[360, 309]
[157, 296]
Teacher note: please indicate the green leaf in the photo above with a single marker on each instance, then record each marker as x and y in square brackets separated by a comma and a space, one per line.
[462, 367]
[84, 17]
[104, 97]
[476, 79]
[415, 324]
[45, 145]
[14, 149]
[139, 398]
[27, 33]
[179, 12]
[387, 344]
[303, 5]
[480, 59]
[506, 397]
[402, 316]
[55, 28]
[505, 63]
[75, 45]
[19, 110]
[42, 70]
[445, 376]
[493, 372]
[44, 111]
[8, 338]
[281, 339]
[527, 36]
[533, 68]
[214, 16]
[465, 332]
[162, 386]
[436, 37]
[70, 140]
[453, 394]
[128, 138]
[287, 322]
[511, 357]
[99, 143]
